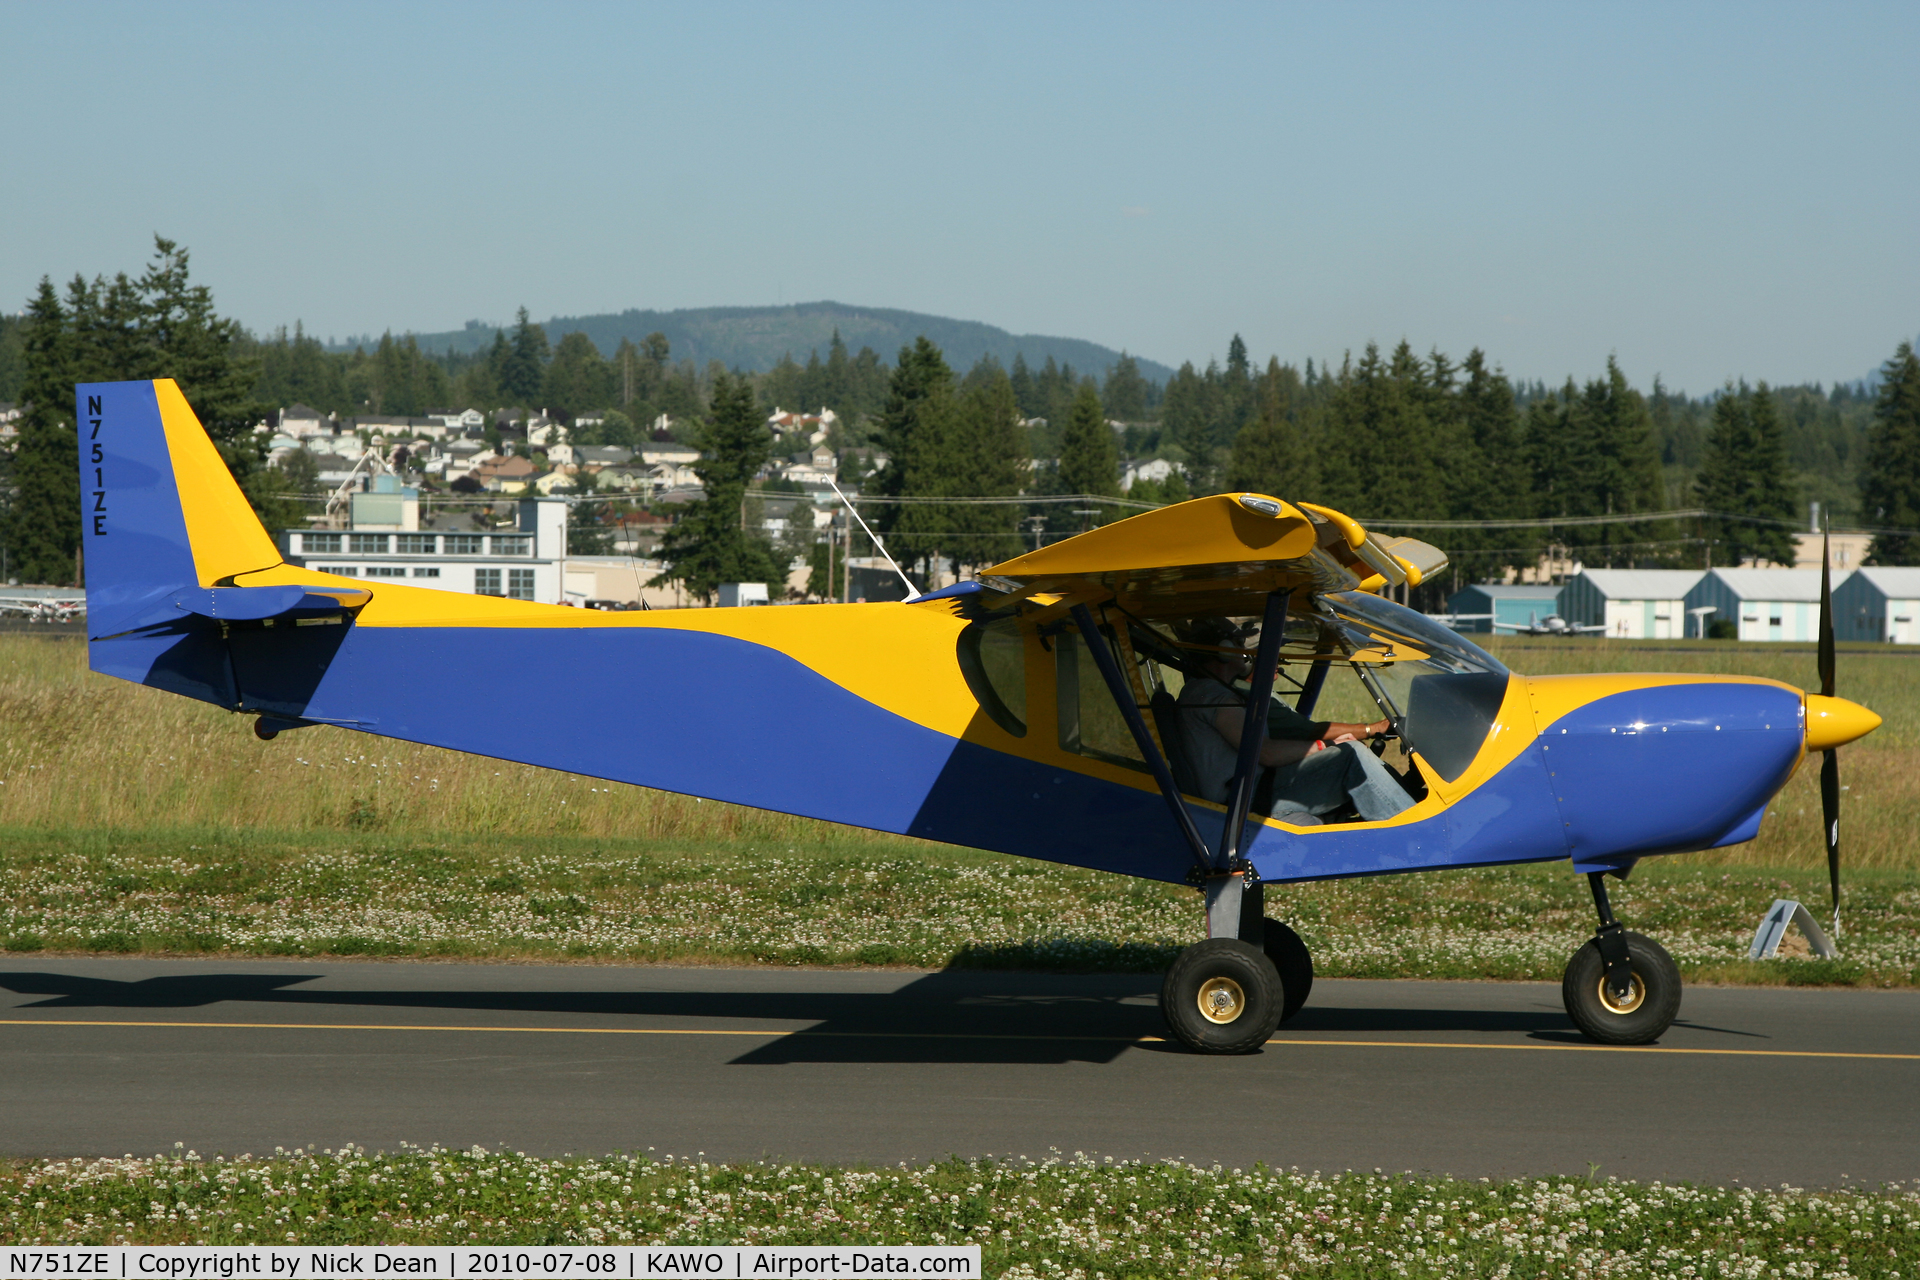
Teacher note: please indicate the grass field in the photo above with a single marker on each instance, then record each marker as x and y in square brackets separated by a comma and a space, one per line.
[138, 821]
[1068, 1218]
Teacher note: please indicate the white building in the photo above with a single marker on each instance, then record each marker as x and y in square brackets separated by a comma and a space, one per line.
[1156, 470]
[1766, 604]
[1633, 604]
[1878, 604]
[522, 563]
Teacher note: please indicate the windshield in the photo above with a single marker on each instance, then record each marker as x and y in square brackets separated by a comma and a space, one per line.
[1444, 690]
[1383, 620]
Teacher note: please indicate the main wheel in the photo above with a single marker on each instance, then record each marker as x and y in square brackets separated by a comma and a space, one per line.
[1222, 996]
[1653, 998]
[1293, 962]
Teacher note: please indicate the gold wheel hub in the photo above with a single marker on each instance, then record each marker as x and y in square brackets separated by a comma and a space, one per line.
[1221, 1000]
[1636, 996]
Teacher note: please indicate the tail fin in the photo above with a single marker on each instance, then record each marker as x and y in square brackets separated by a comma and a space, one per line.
[159, 510]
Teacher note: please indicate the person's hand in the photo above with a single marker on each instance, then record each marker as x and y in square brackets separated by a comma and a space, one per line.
[1316, 745]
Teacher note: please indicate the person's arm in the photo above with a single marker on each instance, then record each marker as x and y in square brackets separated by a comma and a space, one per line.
[1337, 730]
[1273, 751]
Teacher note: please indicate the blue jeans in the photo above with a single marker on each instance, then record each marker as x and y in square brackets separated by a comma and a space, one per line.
[1327, 779]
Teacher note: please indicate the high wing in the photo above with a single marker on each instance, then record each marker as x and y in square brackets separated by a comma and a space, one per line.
[1219, 555]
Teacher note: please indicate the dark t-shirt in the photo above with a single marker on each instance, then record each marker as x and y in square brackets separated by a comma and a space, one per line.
[1288, 725]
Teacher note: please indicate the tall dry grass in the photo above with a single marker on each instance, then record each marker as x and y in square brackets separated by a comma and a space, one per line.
[79, 750]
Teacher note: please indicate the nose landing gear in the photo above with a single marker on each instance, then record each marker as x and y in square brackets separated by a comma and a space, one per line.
[1620, 988]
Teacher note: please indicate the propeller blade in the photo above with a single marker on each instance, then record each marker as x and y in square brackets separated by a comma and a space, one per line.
[1826, 614]
[1830, 817]
[1830, 759]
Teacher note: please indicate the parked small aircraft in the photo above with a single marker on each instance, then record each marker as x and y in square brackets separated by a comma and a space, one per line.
[44, 608]
[1551, 625]
[1043, 710]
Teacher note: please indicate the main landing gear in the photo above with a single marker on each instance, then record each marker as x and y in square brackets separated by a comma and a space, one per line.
[1620, 988]
[1227, 994]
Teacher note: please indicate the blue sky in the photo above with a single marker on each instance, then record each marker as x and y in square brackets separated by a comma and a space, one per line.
[1709, 191]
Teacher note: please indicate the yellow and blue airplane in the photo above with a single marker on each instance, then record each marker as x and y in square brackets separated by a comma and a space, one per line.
[1032, 712]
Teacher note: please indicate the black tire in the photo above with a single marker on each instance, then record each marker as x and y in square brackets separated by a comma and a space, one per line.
[1651, 1009]
[1236, 980]
[1293, 962]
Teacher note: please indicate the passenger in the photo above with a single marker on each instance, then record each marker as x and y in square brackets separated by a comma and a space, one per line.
[1319, 765]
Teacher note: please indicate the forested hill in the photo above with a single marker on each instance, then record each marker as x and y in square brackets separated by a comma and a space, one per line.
[754, 338]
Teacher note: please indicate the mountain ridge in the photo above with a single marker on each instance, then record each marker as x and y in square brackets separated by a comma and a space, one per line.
[755, 338]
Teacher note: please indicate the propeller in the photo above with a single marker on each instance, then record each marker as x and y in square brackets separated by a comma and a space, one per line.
[1832, 723]
[1830, 758]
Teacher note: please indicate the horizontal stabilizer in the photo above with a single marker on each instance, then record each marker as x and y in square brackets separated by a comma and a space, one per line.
[251, 604]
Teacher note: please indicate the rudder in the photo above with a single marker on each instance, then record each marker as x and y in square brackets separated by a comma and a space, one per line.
[159, 510]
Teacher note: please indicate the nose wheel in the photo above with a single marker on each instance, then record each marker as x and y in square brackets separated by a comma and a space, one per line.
[1621, 987]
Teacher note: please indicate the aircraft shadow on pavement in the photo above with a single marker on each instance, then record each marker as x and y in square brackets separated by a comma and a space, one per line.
[942, 1017]
[953, 1016]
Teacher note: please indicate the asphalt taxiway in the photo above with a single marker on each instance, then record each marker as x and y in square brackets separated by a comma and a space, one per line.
[1763, 1086]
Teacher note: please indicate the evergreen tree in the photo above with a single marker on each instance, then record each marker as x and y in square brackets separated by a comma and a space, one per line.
[161, 325]
[1744, 472]
[1025, 389]
[12, 362]
[43, 521]
[1271, 455]
[711, 545]
[1490, 480]
[1890, 483]
[994, 462]
[1188, 411]
[523, 375]
[920, 431]
[1125, 392]
[1089, 461]
[586, 531]
[578, 380]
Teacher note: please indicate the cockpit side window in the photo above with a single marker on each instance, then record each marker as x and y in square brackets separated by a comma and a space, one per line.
[1090, 723]
[993, 659]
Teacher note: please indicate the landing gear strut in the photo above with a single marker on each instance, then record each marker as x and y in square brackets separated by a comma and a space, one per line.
[1227, 994]
[1621, 987]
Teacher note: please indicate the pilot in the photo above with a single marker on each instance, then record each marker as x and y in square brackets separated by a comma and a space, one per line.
[1319, 765]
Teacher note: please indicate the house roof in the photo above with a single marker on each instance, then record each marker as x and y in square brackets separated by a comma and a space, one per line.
[1513, 591]
[1772, 584]
[1893, 583]
[1643, 584]
[603, 453]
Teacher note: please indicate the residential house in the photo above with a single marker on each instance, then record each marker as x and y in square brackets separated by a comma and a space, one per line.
[467, 422]
[600, 455]
[671, 466]
[813, 426]
[1878, 603]
[301, 420]
[1633, 604]
[1765, 604]
[504, 472]
[1155, 469]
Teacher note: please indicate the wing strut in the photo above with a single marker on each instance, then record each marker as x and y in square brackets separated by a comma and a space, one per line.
[1253, 731]
[1149, 749]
